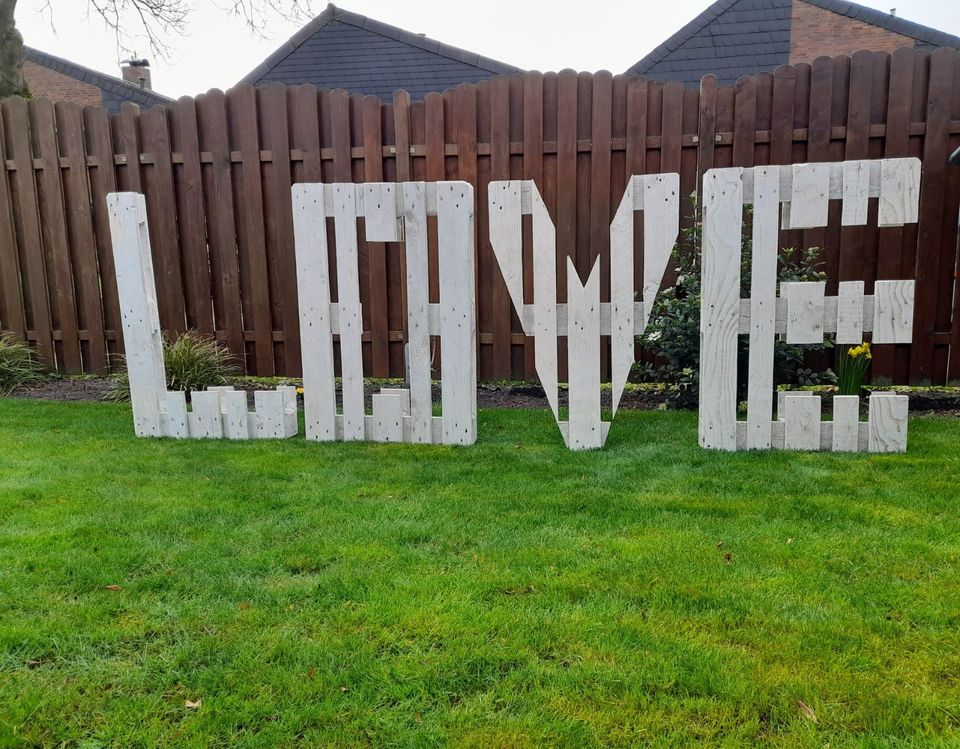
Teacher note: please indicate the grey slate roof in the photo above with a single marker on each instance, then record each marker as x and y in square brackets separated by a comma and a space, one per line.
[114, 91]
[340, 49]
[733, 38]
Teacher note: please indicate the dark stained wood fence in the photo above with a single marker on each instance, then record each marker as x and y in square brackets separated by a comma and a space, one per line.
[217, 171]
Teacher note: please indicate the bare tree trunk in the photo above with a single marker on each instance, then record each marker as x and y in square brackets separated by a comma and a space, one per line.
[11, 53]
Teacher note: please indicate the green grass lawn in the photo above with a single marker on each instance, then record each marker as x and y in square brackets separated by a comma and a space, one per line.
[510, 594]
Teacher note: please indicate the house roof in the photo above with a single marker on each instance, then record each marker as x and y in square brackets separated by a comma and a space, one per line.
[733, 38]
[341, 49]
[114, 91]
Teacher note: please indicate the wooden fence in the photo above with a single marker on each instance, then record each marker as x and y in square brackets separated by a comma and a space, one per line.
[217, 169]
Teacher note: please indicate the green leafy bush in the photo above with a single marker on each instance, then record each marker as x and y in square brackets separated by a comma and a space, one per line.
[191, 362]
[674, 330]
[19, 365]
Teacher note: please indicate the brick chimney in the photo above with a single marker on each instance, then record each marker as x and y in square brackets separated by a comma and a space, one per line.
[137, 72]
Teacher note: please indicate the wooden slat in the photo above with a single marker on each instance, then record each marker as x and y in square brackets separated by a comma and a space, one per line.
[458, 388]
[532, 170]
[313, 294]
[499, 169]
[585, 432]
[53, 230]
[221, 223]
[191, 217]
[935, 146]
[745, 122]
[161, 209]
[277, 180]
[12, 319]
[720, 307]
[80, 223]
[763, 294]
[418, 298]
[254, 270]
[888, 423]
[103, 181]
[853, 236]
[351, 317]
[126, 141]
[376, 251]
[566, 209]
[846, 423]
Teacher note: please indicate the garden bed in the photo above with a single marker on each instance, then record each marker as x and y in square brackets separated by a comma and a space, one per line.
[489, 395]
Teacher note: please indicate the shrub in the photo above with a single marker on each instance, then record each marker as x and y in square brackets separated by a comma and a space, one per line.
[19, 365]
[673, 333]
[191, 362]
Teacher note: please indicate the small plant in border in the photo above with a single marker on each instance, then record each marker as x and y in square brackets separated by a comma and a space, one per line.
[19, 365]
[191, 362]
[852, 366]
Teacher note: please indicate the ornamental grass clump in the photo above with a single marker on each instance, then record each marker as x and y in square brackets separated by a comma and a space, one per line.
[191, 362]
[19, 365]
[852, 369]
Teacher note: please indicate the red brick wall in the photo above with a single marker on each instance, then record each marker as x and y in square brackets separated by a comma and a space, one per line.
[55, 86]
[816, 32]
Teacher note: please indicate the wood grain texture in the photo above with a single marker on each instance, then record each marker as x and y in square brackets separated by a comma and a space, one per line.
[720, 307]
[846, 423]
[888, 423]
[763, 306]
[850, 312]
[805, 310]
[313, 293]
[583, 344]
[801, 419]
[893, 311]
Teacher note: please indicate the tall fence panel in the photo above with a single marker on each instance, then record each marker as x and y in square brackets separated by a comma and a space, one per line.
[217, 169]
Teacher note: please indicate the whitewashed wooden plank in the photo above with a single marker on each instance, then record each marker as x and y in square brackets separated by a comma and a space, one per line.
[313, 292]
[233, 412]
[719, 307]
[291, 426]
[850, 312]
[899, 192]
[268, 407]
[351, 315]
[388, 414]
[856, 192]
[893, 311]
[805, 310]
[458, 352]
[583, 345]
[381, 223]
[506, 234]
[763, 306]
[205, 419]
[418, 306]
[801, 423]
[173, 415]
[622, 292]
[661, 224]
[139, 314]
[781, 396]
[545, 299]
[888, 414]
[846, 423]
[810, 196]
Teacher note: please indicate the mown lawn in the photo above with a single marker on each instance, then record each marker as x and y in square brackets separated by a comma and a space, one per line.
[506, 595]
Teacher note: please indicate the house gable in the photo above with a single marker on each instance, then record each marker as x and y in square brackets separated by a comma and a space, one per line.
[340, 49]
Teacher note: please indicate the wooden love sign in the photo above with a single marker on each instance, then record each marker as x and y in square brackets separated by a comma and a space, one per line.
[791, 197]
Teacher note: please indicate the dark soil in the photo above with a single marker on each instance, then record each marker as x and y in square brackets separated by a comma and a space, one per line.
[505, 395]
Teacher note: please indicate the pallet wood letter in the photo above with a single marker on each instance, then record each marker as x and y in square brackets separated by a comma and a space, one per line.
[584, 319]
[391, 213]
[803, 314]
[215, 413]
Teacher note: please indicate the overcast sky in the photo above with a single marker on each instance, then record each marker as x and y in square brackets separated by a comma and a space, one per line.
[217, 50]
